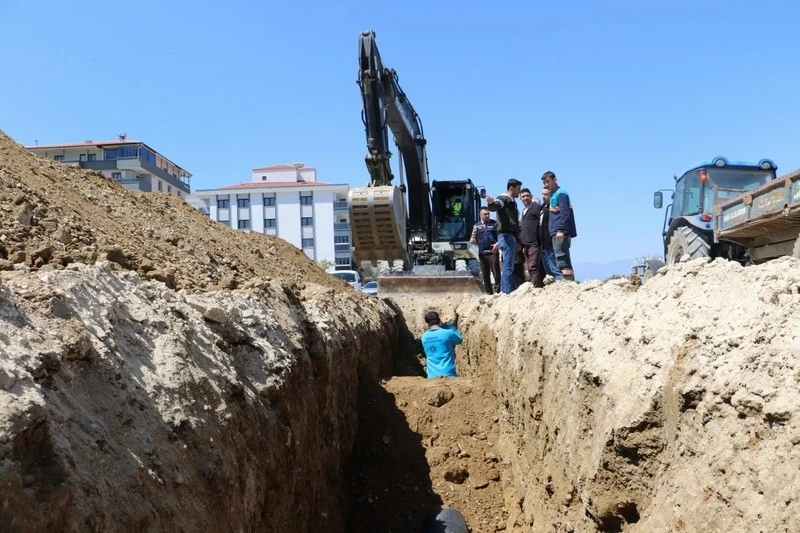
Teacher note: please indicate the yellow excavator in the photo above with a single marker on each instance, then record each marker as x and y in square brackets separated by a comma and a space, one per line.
[416, 233]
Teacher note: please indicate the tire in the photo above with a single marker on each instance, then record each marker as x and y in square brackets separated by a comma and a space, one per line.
[686, 241]
[650, 269]
[474, 266]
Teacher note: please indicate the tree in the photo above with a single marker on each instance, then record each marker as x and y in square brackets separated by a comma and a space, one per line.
[326, 264]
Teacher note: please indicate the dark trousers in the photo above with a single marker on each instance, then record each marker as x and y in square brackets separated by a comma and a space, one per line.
[531, 254]
[490, 264]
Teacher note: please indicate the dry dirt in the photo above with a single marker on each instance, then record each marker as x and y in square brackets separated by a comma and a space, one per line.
[159, 371]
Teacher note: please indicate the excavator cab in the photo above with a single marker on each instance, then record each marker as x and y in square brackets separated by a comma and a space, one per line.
[456, 206]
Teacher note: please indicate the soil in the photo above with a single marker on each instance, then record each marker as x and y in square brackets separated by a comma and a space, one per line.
[160, 371]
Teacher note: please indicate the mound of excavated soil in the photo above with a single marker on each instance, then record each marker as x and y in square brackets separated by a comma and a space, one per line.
[667, 407]
[160, 371]
[52, 214]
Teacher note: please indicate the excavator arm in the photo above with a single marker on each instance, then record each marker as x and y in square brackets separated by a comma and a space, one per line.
[385, 107]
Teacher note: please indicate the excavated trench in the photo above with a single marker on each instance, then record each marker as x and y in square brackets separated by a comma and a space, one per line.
[423, 445]
[126, 404]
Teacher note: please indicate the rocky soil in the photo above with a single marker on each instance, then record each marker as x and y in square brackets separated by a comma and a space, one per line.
[159, 371]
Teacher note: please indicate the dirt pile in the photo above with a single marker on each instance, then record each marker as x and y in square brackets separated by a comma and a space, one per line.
[671, 406]
[136, 395]
[52, 215]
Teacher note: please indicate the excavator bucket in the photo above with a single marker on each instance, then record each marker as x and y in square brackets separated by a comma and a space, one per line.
[377, 223]
[411, 284]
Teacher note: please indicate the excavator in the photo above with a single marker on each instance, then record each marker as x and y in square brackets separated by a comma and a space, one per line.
[416, 233]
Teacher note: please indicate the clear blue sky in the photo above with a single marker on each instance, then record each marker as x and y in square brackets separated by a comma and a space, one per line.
[615, 97]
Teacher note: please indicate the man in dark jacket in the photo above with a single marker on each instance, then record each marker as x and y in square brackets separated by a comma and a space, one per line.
[562, 225]
[548, 265]
[529, 232]
[484, 234]
[507, 230]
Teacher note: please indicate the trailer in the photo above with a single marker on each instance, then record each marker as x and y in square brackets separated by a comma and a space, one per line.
[765, 221]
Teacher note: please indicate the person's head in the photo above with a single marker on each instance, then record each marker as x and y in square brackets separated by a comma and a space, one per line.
[545, 195]
[525, 195]
[550, 181]
[485, 214]
[432, 318]
[513, 186]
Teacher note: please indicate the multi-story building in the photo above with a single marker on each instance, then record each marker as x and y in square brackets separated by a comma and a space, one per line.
[287, 201]
[132, 163]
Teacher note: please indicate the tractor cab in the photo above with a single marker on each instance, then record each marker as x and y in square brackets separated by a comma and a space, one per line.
[696, 192]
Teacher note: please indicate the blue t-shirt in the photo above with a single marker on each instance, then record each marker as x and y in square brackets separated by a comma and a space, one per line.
[440, 351]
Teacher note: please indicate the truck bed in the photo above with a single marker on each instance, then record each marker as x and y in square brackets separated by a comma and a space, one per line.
[766, 215]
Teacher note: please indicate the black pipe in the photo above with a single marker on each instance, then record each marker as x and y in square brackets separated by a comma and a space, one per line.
[444, 521]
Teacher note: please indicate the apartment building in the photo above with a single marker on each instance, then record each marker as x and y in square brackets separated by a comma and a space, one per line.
[287, 201]
[133, 164]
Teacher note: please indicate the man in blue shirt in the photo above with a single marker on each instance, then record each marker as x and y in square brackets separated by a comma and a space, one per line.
[439, 342]
[562, 225]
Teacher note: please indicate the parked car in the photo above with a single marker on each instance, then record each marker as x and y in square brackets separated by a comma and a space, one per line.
[350, 276]
[370, 288]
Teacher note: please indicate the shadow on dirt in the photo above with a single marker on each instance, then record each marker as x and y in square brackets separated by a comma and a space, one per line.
[389, 477]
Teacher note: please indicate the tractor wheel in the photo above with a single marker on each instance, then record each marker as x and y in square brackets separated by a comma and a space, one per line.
[685, 241]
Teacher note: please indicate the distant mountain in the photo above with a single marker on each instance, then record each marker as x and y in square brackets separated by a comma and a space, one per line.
[586, 270]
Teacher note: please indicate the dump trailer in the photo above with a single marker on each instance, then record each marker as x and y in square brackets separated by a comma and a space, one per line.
[765, 221]
[416, 234]
[731, 209]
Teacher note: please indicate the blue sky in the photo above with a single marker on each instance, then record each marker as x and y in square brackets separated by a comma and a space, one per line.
[615, 97]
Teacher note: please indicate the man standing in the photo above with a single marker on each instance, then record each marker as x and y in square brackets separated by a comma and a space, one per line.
[484, 234]
[439, 342]
[562, 225]
[529, 232]
[548, 264]
[507, 230]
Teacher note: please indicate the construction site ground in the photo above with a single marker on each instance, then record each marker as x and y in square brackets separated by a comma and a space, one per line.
[161, 371]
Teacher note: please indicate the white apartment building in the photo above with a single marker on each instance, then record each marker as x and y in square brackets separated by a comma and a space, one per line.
[133, 164]
[287, 201]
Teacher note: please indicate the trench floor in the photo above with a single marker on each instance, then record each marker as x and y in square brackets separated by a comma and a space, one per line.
[424, 444]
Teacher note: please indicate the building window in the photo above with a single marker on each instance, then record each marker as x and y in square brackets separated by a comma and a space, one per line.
[82, 157]
[269, 201]
[243, 224]
[342, 261]
[160, 185]
[223, 203]
[270, 223]
[308, 243]
[263, 178]
[58, 158]
[92, 157]
[116, 176]
[341, 239]
[306, 198]
[169, 189]
[243, 202]
[306, 221]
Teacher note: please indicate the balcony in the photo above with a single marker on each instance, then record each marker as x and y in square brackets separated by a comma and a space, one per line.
[341, 226]
[340, 205]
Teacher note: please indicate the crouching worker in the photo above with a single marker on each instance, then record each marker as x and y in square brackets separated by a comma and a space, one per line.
[439, 342]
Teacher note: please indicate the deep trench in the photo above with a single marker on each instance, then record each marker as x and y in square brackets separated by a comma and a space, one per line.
[389, 486]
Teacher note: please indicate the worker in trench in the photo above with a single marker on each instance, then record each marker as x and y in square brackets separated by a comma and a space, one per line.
[439, 342]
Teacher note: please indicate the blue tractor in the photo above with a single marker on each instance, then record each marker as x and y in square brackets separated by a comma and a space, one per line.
[689, 220]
